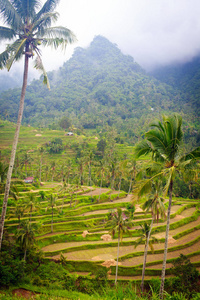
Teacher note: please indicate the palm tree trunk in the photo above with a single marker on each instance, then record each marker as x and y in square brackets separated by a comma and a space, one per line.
[166, 241]
[14, 147]
[117, 260]
[129, 190]
[25, 254]
[71, 198]
[120, 181]
[52, 220]
[40, 169]
[145, 256]
[100, 189]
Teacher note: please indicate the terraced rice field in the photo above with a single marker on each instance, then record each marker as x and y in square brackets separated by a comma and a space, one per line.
[89, 216]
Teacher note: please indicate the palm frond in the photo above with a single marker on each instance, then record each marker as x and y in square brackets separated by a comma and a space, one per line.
[157, 140]
[190, 175]
[44, 22]
[157, 124]
[55, 43]
[170, 174]
[26, 8]
[58, 37]
[154, 168]
[143, 148]
[16, 52]
[144, 187]
[3, 59]
[193, 155]
[7, 33]
[9, 14]
[60, 32]
[49, 6]
[39, 66]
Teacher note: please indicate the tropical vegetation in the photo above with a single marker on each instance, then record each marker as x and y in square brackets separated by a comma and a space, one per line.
[29, 25]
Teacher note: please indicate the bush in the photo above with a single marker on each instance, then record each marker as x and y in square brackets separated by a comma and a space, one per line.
[155, 284]
[186, 276]
[11, 269]
[176, 296]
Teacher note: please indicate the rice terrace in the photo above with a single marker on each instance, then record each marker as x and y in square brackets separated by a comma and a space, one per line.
[100, 157]
[73, 230]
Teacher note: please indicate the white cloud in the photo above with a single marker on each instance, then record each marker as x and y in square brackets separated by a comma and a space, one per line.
[154, 32]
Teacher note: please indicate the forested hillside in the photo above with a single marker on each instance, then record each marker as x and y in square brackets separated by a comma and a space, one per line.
[186, 79]
[99, 86]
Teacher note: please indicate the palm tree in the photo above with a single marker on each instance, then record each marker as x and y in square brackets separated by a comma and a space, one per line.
[145, 236]
[113, 170]
[121, 172]
[18, 211]
[119, 224]
[26, 236]
[29, 26]
[154, 203]
[132, 173]
[101, 169]
[41, 152]
[164, 141]
[26, 160]
[53, 168]
[89, 159]
[31, 204]
[3, 172]
[52, 205]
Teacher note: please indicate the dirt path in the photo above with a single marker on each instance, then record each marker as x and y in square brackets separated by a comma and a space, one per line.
[96, 192]
[111, 252]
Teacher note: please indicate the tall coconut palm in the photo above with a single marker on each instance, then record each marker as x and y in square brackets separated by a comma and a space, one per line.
[145, 236]
[52, 205]
[32, 204]
[26, 161]
[18, 211]
[41, 151]
[119, 224]
[121, 173]
[163, 141]
[28, 26]
[100, 172]
[132, 173]
[155, 204]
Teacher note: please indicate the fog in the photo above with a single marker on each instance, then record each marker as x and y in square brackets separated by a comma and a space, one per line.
[153, 32]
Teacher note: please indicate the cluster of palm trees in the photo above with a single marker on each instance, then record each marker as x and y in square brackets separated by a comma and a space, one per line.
[163, 142]
[29, 26]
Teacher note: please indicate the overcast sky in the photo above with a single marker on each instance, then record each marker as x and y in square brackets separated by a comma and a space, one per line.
[154, 32]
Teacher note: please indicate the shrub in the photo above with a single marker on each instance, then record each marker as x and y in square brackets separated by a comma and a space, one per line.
[11, 269]
[186, 275]
[155, 284]
[176, 296]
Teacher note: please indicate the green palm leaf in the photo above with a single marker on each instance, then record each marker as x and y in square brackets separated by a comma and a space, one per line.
[7, 33]
[193, 155]
[39, 66]
[16, 52]
[44, 22]
[49, 6]
[3, 59]
[29, 27]
[26, 8]
[60, 32]
[10, 15]
[143, 148]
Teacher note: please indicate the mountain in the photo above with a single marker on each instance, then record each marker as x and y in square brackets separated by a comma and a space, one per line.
[185, 79]
[98, 86]
[9, 82]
